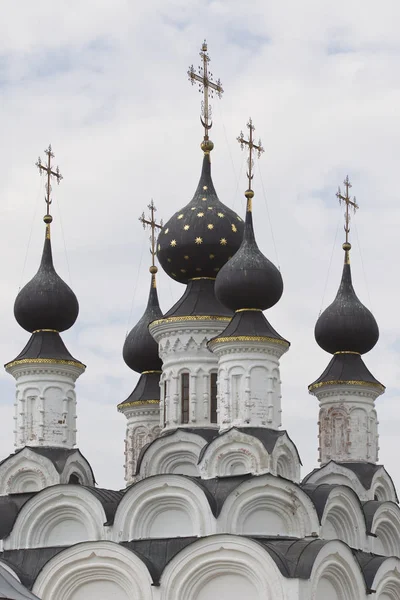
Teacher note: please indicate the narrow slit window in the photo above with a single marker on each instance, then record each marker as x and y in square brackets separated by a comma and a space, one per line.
[165, 403]
[213, 398]
[185, 398]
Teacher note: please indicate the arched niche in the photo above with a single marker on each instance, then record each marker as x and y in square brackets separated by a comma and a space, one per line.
[382, 488]
[222, 566]
[386, 582]
[386, 527]
[336, 574]
[163, 506]
[234, 453]
[58, 516]
[285, 459]
[268, 505]
[177, 453]
[26, 471]
[343, 518]
[98, 570]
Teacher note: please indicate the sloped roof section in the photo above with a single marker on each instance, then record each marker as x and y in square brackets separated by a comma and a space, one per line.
[12, 589]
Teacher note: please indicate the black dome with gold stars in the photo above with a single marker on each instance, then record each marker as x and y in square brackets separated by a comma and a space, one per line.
[199, 239]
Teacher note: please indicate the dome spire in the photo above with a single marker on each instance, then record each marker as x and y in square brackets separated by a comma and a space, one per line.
[50, 172]
[206, 85]
[249, 280]
[349, 204]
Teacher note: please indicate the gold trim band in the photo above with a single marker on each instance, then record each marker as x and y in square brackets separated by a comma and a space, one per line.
[137, 403]
[239, 310]
[190, 318]
[347, 352]
[320, 384]
[149, 372]
[44, 361]
[51, 330]
[248, 338]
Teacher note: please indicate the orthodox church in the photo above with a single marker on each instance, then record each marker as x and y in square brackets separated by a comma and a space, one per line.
[214, 504]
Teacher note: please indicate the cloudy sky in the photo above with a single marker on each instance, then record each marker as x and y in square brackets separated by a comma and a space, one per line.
[105, 82]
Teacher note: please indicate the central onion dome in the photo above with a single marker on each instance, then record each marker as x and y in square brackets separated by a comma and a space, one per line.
[249, 279]
[201, 237]
[140, 350]
[346, 325]
[46, 301]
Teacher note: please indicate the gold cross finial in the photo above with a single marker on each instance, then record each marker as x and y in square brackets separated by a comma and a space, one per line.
[250, 162]
[151, 222]
[206, 85]
[350, 204]
[48, 169]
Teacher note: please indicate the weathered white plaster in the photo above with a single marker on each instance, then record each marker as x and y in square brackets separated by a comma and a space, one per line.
[98, 570]
[45, 404]
[183, 349]
[386, 527]
[249, 383]
[163, 506]
[348, 424]
[336, 575]
[268, 505]
[343, 519]
[222, 566]
[59, 515]
[143, 426]
[176, 453]
[386, 582]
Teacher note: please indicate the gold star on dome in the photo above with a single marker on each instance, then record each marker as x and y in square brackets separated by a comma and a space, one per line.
[173, 274]
[193, 208]
[199, 240]
[221, 215]
[223, 241]
[183, 270]
[209, 207]
[173, 243]
[166, 231]
[186, 227]
[210, 226]
[169, 260]
[204, 199]
[186, 257]
[234, 229]
[205, 187]
[200, 214]
[180, 216]
[212, 256]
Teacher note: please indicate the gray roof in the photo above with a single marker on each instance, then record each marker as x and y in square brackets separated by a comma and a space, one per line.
[12, 589]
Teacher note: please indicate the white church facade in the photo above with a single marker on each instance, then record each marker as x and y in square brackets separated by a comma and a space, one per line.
[215, 505]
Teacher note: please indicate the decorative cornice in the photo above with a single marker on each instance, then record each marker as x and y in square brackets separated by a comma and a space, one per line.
[137, 403]
[189, 318]
[149, 372]
[44, 361]
[370, 384]
[51, 330]
[347, 352]
[248, 338]
[239, 310]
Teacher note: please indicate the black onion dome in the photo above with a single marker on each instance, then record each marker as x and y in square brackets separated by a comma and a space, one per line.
[140, 350]
[199, 239]
[346, 325]
[249, 279]
[46, 301]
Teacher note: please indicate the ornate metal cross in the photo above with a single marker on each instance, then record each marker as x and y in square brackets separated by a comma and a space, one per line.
[50, 173]
[350, 203]
[207, 86]
[151, 222]
[251, 146]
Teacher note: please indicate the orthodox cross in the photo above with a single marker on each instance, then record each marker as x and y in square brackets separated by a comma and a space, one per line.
[251, 146]
[350, 204]
[151, 222]
[207, 86]
[50, 173]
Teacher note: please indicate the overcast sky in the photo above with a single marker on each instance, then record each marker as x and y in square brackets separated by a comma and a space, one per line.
[105, 82]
